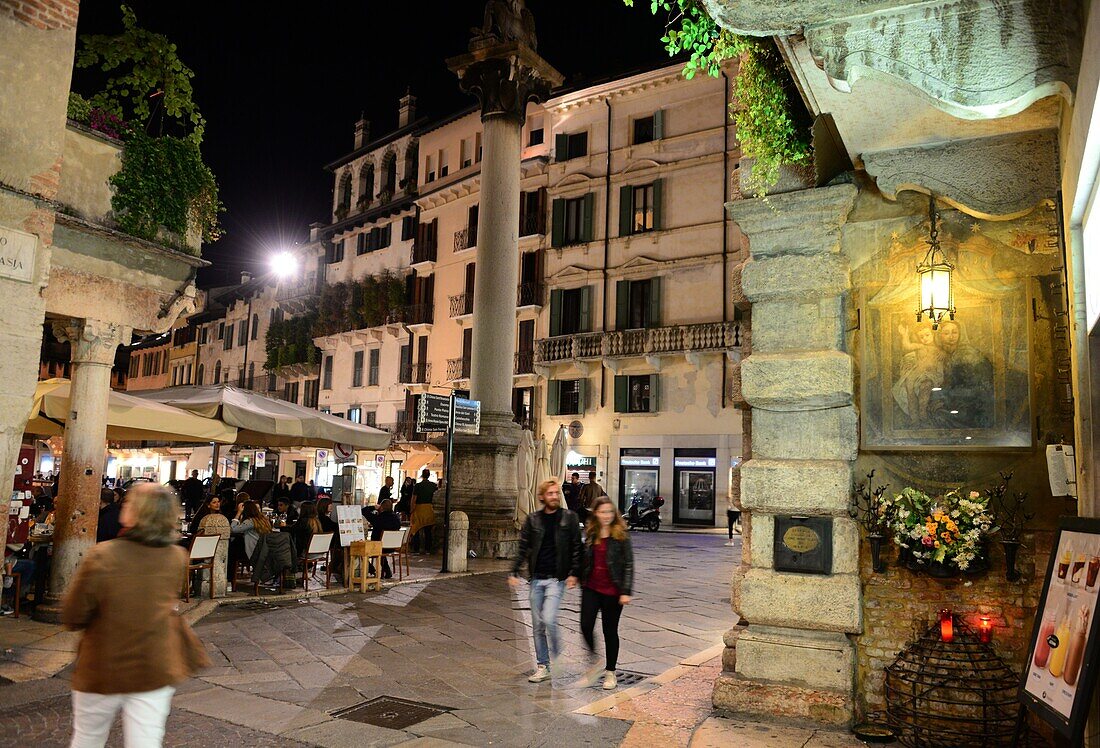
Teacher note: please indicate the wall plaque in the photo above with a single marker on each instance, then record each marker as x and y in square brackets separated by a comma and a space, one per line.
[17, 250]
[803, 544]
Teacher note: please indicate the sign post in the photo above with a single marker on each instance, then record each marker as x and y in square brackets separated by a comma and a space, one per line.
[447, 491]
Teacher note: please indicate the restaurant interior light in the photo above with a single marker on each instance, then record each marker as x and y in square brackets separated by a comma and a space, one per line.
[934, 271]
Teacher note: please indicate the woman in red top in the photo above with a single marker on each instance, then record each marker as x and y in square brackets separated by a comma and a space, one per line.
[607, 582]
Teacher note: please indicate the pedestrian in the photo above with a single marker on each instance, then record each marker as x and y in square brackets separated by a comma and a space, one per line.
[589, 493]
[422, 514]
[385, 493]
[607, 579]
[299, 492]
[109, 526]
[550, 544]
[404, 504]
[312, 491]
[572, 492]
[135, 648]
[733, 520]
[281, 489]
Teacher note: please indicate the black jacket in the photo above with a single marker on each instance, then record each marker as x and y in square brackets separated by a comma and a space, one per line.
[620, 564]
[109, 526]
[382, 521]
[569, 546]
[274, 552]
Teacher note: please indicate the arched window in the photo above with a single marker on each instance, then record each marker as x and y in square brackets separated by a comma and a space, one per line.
[198, 377]
[255, 325]
[411, 160]
[217, 372]
[344, 194]
[389, 173]
[366, 184]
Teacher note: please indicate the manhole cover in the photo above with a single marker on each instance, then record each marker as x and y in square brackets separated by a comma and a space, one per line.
[386, 711]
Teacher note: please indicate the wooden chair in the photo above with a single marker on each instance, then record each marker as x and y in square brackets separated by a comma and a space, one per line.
[201, 557]
[17, 590]
[395, 544]
[317, 552]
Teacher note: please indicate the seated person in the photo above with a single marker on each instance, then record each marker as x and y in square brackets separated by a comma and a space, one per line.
[213, 505]
[385, 519]
[24, 567]
[250, 523]
[305, 528]
[285, 511]
[109, 526]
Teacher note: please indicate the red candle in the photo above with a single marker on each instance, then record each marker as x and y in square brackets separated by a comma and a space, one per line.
[947, 626]
[985, 629]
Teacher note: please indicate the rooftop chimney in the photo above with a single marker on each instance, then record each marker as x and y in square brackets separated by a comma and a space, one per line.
[245, 277]
[362, 131]
[406, 112]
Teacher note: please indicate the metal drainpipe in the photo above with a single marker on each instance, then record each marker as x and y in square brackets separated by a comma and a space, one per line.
[606, 247]
[725, 217]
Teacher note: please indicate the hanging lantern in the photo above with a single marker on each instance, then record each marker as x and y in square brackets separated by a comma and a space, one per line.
[936, 294]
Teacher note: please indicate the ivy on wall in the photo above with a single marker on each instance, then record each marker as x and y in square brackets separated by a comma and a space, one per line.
[764, 111]
[357, 305]
[290, 341]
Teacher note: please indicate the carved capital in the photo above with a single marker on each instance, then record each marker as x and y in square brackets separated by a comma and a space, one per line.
[504, 77]
[92, 341]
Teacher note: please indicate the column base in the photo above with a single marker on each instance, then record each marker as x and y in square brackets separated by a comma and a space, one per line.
[484, 487]
[776, 702]
[48, 611]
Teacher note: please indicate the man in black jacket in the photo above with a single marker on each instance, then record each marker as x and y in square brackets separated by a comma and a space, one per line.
[550, 542]
[191, 492]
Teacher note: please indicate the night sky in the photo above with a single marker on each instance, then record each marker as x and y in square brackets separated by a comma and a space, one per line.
[281, 85]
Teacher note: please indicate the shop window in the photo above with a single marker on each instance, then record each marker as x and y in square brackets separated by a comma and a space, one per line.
[636, 394]
[637, 304]
[565, 397]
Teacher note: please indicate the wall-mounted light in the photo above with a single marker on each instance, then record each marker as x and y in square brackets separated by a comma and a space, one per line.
[936, 294]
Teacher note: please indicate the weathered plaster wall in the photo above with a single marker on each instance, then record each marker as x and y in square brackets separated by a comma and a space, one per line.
[90, 160]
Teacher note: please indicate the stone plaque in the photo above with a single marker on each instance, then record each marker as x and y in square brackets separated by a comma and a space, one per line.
[17, 251]
[803, 544]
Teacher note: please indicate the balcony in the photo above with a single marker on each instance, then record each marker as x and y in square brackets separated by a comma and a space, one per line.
[531, 224]
[418, 314]
[458, 368]
[423, 253]
[654, 344]
[531, 295]
[466, 238]
[462, 305]
[420, 373]
[524, 363]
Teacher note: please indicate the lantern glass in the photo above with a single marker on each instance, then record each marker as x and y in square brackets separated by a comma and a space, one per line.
[935, 290]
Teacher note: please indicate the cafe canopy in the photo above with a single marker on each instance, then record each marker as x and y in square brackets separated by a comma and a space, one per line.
[264, 422]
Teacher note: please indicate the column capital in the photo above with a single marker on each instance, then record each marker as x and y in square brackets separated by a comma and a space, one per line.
[93, 341]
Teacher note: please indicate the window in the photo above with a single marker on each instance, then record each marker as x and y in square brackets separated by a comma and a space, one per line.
[565, 397]
[536, 136]
[570, 145]
[372, 373]
[570, 311]
[336, 252]
[327, 372]
[242, 332]
[240, 378]
[290, 392]
[355, 415]
[376, 238]
[429, 169]
[344, 194]
[639, 208]
[464, 153]
[252, 375]
[370, 418]
[326, 410]
[164, 362]
[638, 304]
[408, 228]
[636, 394]
[572, 220]
[647, 129]
[310, 393]
[255, 326]
[199, 374]
[357, 369]
[442, 163]
[202, 335]
[361, 242]
[271, 383]
[532, 212]
[477, 147]
[217, 372]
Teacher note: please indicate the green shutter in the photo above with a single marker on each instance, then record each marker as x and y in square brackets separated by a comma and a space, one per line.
[557, 236]
[555, 312]
[654, 389]
[589, 214]
[561, 147]
[552, 398]
[582, 396]
[658, 125]
[657, 204]
[622, 305]
[626, 209]
[653, 313]
[585, 316]
[622, 394]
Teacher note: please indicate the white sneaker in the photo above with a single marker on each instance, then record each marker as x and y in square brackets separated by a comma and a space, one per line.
[592, 677]
[609, 681]
[542, 672]
[730, 544]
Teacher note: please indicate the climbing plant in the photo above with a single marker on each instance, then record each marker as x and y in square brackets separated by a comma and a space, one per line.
[290, 342]
[356, 305]
[764, 112]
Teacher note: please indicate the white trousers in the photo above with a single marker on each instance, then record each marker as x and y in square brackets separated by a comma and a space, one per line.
[143, 717]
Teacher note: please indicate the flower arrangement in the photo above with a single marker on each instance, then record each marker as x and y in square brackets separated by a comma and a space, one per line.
[873, 508]
[947, 531]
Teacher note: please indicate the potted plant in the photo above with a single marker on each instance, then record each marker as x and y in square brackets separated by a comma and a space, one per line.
[874, 511]
[1012, 518]
[946, 535]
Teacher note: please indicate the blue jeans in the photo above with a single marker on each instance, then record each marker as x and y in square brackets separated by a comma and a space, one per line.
[546, 597]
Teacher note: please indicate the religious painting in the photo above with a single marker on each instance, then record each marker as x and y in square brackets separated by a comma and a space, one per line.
[963, 384]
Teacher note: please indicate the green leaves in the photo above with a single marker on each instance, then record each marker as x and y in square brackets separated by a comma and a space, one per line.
[80, 109]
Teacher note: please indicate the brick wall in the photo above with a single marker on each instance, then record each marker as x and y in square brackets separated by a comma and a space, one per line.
[895, 603]
[43, 14]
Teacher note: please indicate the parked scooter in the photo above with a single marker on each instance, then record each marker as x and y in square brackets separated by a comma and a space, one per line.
[645, 512]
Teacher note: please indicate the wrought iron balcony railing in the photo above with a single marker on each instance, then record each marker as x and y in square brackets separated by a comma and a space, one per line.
[419, 373]
[524, 363]
[531, 294]
[418, 314]
[466, 238]
[423, 252]
[458, 368]
[462, 304]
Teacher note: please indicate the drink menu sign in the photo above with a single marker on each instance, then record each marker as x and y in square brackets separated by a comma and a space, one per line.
[1061, 667]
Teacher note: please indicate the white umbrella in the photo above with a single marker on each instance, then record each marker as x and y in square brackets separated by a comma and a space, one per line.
[526, 458]
[557, 454]
[542, 468]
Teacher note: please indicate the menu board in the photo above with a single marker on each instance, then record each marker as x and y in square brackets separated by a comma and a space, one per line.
[349, 521]
[1061, 665]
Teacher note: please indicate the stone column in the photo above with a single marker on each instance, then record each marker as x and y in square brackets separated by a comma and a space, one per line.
[796, 658]
[76, 509]
[504, 72]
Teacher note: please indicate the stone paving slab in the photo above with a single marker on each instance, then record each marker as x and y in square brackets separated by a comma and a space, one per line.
[721, 732]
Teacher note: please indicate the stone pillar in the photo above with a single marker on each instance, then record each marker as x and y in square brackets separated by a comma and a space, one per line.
[796, 658]
[76, 516]
[457, 542]
[504, 72]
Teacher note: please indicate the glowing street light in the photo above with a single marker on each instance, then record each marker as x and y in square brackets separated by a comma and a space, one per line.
[284, 264]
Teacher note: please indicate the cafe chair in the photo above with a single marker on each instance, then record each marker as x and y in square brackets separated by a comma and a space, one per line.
[395, 545]
[317, 552]
[201, 557]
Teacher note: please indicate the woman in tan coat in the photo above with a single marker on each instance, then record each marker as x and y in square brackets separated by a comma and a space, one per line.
[135, 647]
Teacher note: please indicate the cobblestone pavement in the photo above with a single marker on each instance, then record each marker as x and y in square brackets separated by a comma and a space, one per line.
[460, 643]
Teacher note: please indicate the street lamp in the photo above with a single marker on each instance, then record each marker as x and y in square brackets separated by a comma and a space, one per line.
[284, 264]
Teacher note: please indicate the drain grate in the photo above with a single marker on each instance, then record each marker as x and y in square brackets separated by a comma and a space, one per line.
[625, 678]
[386, 711]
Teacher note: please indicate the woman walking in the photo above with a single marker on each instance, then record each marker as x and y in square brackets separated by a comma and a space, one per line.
[135, 647]
[607, 579]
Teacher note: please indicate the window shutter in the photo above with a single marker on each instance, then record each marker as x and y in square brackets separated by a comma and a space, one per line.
[585, 316]
[555, 312]
[653, 313]
[561, 147]
[541, 207]
[626, 209]
[589, 213]
[654, 389]
[622, 394]
[582, 396]
[622, 305]
[657, 204]
[557, 237]
[658, 125]
[552, 398]
[522, 213]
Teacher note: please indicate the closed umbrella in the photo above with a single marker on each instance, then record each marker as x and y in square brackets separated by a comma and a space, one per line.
[542, 467]
[526, 457]
[557, 454]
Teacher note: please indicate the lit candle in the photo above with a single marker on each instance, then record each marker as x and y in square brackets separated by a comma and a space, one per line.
[947, 626]
[985, 629]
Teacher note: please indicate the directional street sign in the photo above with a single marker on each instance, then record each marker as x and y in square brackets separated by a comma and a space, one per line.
[467, 416]
[433, 413]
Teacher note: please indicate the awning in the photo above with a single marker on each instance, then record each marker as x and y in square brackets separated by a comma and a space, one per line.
[417, 461]
[129, 418]
[264, 422]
